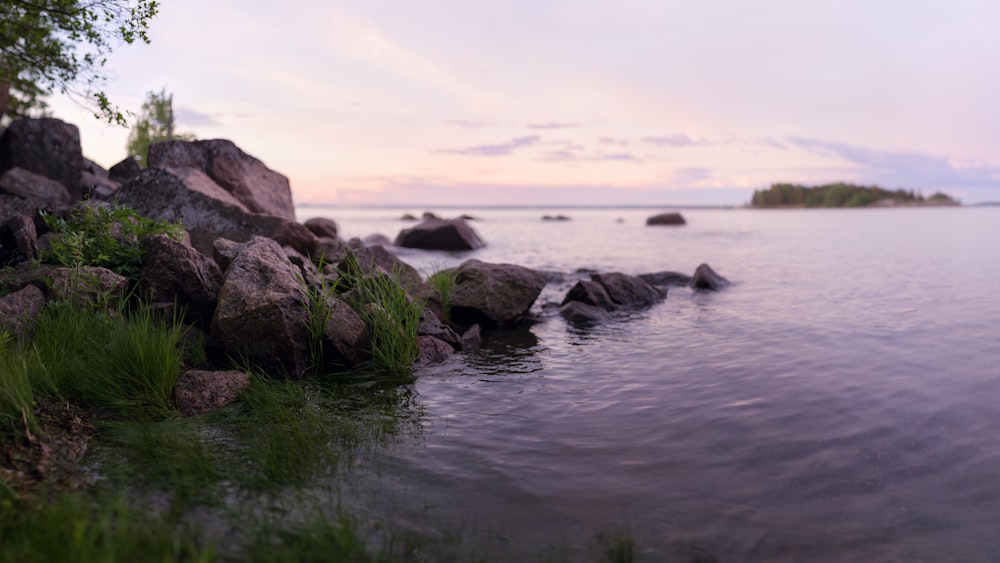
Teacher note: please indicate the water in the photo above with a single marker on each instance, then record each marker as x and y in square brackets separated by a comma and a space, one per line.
[838, 402]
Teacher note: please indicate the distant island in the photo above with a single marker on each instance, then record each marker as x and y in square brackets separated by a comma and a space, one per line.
[842, 195]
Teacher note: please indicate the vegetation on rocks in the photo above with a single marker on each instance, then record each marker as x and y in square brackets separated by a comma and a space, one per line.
[840, 195]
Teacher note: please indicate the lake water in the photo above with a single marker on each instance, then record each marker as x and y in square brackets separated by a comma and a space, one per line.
[840, 401]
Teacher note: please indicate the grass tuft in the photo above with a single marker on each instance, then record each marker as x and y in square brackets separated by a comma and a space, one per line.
[443, 280]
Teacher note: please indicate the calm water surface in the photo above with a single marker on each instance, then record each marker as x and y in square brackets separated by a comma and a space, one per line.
[840, 401]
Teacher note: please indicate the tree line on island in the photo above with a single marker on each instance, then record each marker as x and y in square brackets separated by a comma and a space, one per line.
[841, 194]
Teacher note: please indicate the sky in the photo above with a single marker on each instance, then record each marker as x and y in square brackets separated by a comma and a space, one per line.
[576, 102]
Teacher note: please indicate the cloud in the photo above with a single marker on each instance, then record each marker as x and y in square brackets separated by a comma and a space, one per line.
[678, 140]
[191, 117]
[501, 149]
[552, 125]
[903, 169]
[470, 123]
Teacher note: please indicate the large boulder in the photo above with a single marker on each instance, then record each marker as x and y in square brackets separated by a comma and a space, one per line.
[125, 170]
[591, 293]
[494, 294]
[18, 240]
[38, 190]
[199, 392]
[628, 291]
[260, 316]
[672, 218]
[708, 279]
[19, 310]
[207, 211]
[178, 274]
[46, 146]
[257, 187]
[440, 234]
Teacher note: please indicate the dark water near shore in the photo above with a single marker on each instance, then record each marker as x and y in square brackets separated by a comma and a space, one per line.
[840, 401]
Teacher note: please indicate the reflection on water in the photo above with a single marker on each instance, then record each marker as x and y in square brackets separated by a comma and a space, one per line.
[837, 402]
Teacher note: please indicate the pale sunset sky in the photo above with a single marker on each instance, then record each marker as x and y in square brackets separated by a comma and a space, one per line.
[577, 102]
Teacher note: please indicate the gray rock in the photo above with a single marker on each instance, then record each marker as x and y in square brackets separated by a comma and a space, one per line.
[494, 294]
[376, 260]
[199, 392]
[440, 234]
[330, 251]
[672, 218]
[18, 240]
[628, 291]
[258, 188]
[666, 278]
[376, 239]
[87, 284]
[40, 191]
[322, 227]
[432, 351]
[591, 293]
[19, 310]
[708, 279]
[96, 183]
[180, 274]
[206, 210]
[45, 146]
[472, 338]
[125, 170]
[431, 325]
[579, 312]
[346, 336]
[260, 316]
[224, 250]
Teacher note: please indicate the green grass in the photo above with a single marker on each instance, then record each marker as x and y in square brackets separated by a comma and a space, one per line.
[443, 280]
[16, 397]
[318, 309]
[73, 528]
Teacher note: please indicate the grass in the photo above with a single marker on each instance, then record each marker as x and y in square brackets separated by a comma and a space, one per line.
[71, 527]
[16, 397]
[318, 309]
[443, 280]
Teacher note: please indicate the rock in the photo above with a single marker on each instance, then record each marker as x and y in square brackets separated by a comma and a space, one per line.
[431, 325]
[19, 310]
[180, 274]
[408, 217]
[18, 240]
[494, 294]
[432, 351]
[257, 187]
[706, 278]
[346, 335]
[672, 218]
[199, 392]
[579, 312]
[45, 146]
[224, 250]
[429, 215]
[687, 551]
[472, 338]
[96, 183]
[376, 239]
[329, 250]
[590, 293]
[307, 270]
[40, 191]
[87, 284]
[628, 291]
[322, 227]
[125, 170]
[260, 316]
[555, 218]
[376, 260]
[666, 278]
[440, 234]
[207, 211]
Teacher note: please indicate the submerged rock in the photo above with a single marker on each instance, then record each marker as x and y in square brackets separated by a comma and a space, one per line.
[583, 313]
[666, 278]
[432, 351]
[672, 218]
[708, 279]
[628, 291]
[440, 234]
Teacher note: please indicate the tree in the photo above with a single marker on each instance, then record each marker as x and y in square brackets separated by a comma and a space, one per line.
[155, 123]
[63, 45]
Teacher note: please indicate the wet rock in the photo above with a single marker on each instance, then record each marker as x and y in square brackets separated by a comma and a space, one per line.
[260, 316]
[47, 147]
[200, 392]
[666, 219]
[555, 218]
[258, 188]
[19, 310]
[180, 274]
[687, 551]
[578, 312]
[666, 278]
[408, 217]
[591, 293]
[628, 291]
[431, 325]
[440, 234]
[39, 191]
[472, 338]
[706, 278]
[346, 336]
[432, 351]
[494, 294]
[125, 170]
[322, 227]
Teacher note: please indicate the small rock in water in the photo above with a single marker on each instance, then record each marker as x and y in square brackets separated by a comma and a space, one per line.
[708, 279]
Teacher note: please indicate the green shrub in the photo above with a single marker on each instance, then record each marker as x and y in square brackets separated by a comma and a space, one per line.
[106, 236]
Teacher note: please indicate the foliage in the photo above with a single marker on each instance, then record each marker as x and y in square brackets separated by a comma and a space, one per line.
[16, 397]
[63, 45]
[834, 195]
[444, 282]
[71, 527]
[319, 308]
[391, 315]
[154, 124]
[109, 237]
